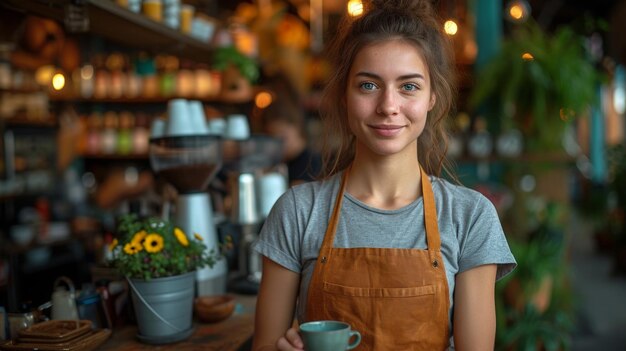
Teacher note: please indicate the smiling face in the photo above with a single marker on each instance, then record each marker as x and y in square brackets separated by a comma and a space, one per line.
[388, 97]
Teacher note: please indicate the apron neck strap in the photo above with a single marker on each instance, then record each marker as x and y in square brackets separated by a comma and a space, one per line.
[430, 216]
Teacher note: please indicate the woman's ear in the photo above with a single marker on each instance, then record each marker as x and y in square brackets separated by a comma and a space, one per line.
[433, 99]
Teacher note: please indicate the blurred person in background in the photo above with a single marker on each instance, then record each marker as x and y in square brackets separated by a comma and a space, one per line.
[285, 118]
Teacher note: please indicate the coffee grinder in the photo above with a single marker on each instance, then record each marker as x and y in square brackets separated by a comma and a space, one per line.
[245, 161]
[189, 163]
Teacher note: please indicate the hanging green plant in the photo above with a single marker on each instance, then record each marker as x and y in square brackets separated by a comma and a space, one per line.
[230, 56]
[537, 83]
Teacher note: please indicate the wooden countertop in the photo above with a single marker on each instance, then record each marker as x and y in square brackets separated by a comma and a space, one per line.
[231, 334]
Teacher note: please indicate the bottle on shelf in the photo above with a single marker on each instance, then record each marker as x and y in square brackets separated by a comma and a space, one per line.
[167, 66]
[141, 135]
[115, 64]
[125, 134]
[94, 128]
[109, 133]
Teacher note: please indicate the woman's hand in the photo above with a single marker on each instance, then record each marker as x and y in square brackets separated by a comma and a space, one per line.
[291, 341]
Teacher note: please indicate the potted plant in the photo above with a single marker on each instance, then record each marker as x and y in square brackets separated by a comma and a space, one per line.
[239, 72]
[537, 83]
[159, 262]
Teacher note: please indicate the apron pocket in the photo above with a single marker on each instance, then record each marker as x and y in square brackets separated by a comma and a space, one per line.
[374, 312]
[379, 292]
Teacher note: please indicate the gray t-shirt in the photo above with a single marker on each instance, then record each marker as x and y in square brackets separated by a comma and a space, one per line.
[470, 230]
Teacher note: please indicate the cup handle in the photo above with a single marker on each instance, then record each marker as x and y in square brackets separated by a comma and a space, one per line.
[357, 339]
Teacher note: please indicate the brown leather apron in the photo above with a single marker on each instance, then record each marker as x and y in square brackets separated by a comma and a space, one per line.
[396, 298]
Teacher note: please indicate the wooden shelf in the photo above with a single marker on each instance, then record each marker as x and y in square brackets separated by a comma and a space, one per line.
[137, 100]
[124, 27]
[116, 157]
[30, 123]
[22, 90]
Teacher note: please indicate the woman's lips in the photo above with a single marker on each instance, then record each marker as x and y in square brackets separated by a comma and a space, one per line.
[387, 130]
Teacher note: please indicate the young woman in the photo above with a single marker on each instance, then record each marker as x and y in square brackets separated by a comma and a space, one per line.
[383, 243]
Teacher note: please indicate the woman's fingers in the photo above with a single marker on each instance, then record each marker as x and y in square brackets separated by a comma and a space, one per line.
[283, 345]
[294, 338]
[290, 342]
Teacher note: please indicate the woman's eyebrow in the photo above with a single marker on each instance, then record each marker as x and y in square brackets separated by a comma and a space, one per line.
[403, 77]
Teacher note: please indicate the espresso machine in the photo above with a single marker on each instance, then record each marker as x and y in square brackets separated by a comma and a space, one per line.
[189, 163]
[245, 164]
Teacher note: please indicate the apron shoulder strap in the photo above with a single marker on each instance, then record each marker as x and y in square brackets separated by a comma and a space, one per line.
[433, 241]
[329, 236]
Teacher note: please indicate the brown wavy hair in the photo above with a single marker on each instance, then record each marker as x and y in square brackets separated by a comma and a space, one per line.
[413, 21]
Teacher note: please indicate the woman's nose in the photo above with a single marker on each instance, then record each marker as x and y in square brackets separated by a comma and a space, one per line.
[388, 104]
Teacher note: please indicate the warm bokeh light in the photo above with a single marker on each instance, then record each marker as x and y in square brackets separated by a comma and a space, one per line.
[516, 12]
[470, 50]
[246, 42]
[263, 99]
[58, 81]
[450, 27]
[86, 72]
[527, 56]
[44, 74]
[355, 8]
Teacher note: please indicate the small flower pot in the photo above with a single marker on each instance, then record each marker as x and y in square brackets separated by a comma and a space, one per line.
[164, 308]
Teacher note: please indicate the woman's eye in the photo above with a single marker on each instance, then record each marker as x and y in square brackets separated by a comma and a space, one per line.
[410, 87]
[368, 86]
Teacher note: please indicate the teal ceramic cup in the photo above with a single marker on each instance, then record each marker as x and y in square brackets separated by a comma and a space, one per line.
[329, 336]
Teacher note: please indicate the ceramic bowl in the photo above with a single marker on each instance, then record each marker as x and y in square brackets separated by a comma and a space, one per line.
[211, 309]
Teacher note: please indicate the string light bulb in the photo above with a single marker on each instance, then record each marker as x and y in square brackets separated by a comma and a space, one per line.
[517, 11]
[58, 81]
[355, 8]
[450, 27]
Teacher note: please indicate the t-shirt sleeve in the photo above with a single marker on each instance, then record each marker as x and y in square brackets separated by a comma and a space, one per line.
[278, 239]
[485, 242]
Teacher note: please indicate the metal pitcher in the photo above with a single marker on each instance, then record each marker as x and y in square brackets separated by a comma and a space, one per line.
[64, 300]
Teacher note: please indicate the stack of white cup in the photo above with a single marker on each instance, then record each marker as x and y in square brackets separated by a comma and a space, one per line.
[198, 118]
[185, 118]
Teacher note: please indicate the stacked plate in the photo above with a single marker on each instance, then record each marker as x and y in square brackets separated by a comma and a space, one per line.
[59, 335]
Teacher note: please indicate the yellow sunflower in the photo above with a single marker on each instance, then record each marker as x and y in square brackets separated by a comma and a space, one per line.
[182, 238]
[153, 243]
[113, 245]
[132, 248]
[197, 236]
[139, 236]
